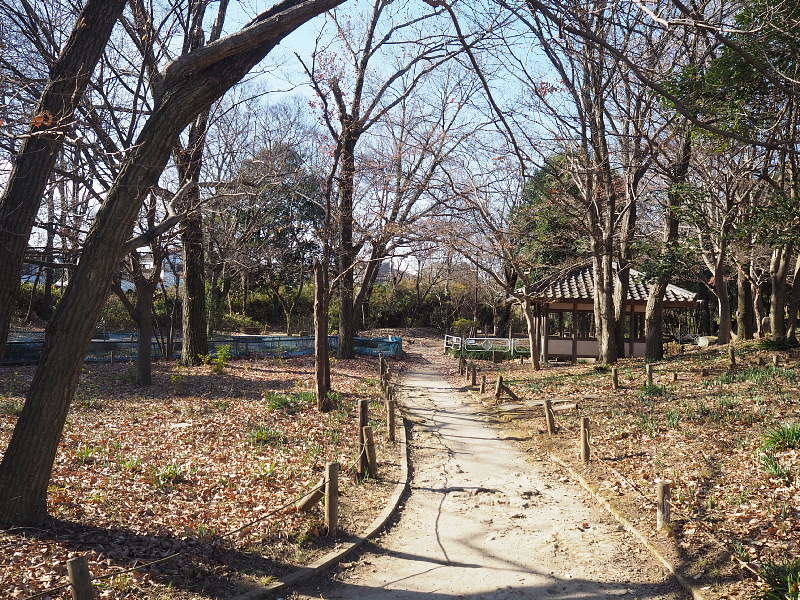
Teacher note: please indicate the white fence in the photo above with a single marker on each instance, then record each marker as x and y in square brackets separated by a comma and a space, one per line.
[487, 344]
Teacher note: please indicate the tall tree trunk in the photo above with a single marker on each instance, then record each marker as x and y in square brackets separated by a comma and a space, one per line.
[322, 365]
[346, 250]
[194, 325]
[604, 308]
[34, 162]
[778, 270]
[723, 304]
[144, 321]
[190, 85]
[794, 302]
[745, 319]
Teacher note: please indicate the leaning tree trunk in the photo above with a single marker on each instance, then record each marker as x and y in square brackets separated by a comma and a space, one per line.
[34, 163]
[190, 85]
[322, 365]
[533, 337]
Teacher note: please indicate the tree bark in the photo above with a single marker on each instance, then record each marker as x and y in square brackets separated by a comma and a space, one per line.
[143, 314]
[745, 318]
[34, 163]
[346, 250]
[778, 270]
[533, 338]
[321, 355]
[723, 304]
[190, 85]
[794, 303]
[604, 308]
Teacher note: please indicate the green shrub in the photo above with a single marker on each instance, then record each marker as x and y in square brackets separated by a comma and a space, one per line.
[237, 322]
[782, 580]
[773, 467]
[783, 437]
[170, 475]
[462, 327]
[115, 317]
[289, 402]
[10, 406]
[651, 390]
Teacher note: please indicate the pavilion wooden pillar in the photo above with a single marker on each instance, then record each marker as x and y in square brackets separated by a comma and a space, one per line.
[574, 332]
[632, 332]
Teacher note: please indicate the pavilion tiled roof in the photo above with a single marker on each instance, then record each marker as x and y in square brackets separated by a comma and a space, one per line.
[578, 284]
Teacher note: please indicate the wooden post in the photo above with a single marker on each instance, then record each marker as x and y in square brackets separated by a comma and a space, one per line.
[331, 497]
[585, 439]
[112, 357]
[614, 378]
[648, 369]
[474, 372]
[363, 466]
[79, 578]
[498, 388]
[760, 361]
[549, 418]
[732, 355]
[775, 362]
[391, 407]
[521, 360]
[704, 372]
[369, 442]
[461, 364]
[483, 384]
[662, 505]
[674, 376]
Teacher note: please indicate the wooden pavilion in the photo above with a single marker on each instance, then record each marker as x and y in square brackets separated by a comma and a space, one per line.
[566, 304]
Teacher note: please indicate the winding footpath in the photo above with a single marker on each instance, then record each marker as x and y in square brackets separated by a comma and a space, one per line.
[482, 520]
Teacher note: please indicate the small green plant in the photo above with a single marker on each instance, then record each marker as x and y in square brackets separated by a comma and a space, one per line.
[741, 552]
[783, 437]
[87, 454]
[652, 390]
[134, 465]
[169, 475]
[11, 406]
[89, 402]
[266, 436]
[782, 580]
[224, 353]
[649, 424]
[674, 418]
[221, 405]
[757, 375]
[205, 358]
[266, 470]
[773, 467]
[177, 378]
[289, 402]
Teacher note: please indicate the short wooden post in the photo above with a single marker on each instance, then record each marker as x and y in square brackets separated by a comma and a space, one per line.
[775, 361]
[704, 372]
[363, 414]
[521, 360]
[474, 372]
[674, 376]
[549, 418]
[112, 357]
[498, 388]
[79, 578]
[614, 378]
[369, 442]
[662, 503]
[461, 364]
[331, 497]
[483, 384]
[648, 369]
[585, 439]
[732, 355]
[391, 408]
[760, 361]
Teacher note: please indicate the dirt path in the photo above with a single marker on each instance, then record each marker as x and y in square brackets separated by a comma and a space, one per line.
[485, 521]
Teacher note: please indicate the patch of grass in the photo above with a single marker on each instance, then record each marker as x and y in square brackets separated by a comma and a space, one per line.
[89, 402]
[757, 375]
[652, 390]
[771, 344]
[674, 418]
[266, 470]
[11, 406]
[169, 475]
[134, 465]
[649, 424]
[783, 437]
[782, 580]
[773, 467]
[87, 454]
[289, 402]
[266, 436]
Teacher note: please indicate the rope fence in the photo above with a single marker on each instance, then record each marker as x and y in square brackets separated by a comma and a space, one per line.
[364, 465]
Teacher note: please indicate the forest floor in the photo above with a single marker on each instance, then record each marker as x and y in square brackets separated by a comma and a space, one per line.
[709, 430]
[147, 473]
[483, 519]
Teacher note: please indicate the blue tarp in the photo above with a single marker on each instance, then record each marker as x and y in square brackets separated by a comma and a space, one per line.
[123, 347]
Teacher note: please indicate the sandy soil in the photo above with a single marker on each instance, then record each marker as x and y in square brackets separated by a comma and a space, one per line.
[483, 520]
